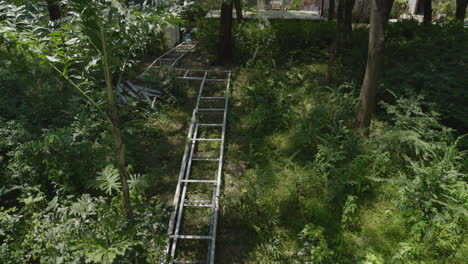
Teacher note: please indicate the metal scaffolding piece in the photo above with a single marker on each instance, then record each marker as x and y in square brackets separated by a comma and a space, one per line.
[212, 99]
[190, 156]
[171, 57]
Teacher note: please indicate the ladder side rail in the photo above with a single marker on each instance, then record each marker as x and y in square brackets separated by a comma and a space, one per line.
[175, 203]
[182, 198]
[220, 166]
[160, 57]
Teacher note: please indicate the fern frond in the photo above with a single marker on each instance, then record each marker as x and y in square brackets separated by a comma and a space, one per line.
[137, 182]
[108, 180]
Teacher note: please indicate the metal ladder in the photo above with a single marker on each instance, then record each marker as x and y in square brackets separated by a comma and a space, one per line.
[181, 201]
[214, 89]
[171, 57]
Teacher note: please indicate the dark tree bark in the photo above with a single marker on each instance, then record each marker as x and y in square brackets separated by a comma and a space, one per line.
[54, 9]
[322, 5]
[238, 4]
[343, 34]
[225, 50]
[340, 20]
[460, 12]
[344, 21]
[337, 42]
[120, 158]
[331, 9]
[427, 9]
[348, 19]
[375, 59]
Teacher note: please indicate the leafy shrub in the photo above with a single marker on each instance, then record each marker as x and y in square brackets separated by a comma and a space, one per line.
[423, 60]
[399, 8]
[255, 42]
[53, 144]
[82, 229]
[208, 38]
[278, 40]
[402, 188]
[303, 39]
[314, 246]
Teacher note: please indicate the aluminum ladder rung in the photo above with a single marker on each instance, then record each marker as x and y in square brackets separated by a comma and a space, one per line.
[204, 156]
[202, 203]
[194, 78]
[199, 181]
[210, 125]
[204, 70]
[219, 98]
[210, 109]
[199, 205]
[202, 159]
[199, 201]
[217, 80]
[191, 237]
[206, 139]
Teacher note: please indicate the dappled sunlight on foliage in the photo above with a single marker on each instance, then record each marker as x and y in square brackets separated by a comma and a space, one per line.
[300, 185]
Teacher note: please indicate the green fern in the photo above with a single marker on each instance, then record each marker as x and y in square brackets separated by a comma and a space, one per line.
[108, 180]
[137, 182]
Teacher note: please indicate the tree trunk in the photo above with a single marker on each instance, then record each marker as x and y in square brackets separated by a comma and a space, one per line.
[322, 5]
[331, 10]
[348, 20]
[340, 32]
[375, 59]
[238, 4]
[54, 9]
[427, 8]
[337, 42]
[344, 25]
[225, 50]
[343, 35]
[119, 147]
[460, 12]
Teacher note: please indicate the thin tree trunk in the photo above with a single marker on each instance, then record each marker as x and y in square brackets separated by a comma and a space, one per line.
[337, 42]
[342, 37]
[321, 8]
[340, 21]
[344, 25]
[225, 50]
[238, 4]
[460, 12]
[119, 147]
[331, 10]
[375, 59]
[54, 9]
[348, 19]
[427, 9]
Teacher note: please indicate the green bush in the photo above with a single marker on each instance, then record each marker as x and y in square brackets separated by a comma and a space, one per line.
[278, 40]
[81, 229]
[427, 60]
[430, 61]
[397, 197]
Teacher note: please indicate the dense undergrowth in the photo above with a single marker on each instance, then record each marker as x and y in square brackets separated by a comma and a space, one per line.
[303, 188]
[310, 190]
[60, 195]
[430, 61]
[299, 185]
